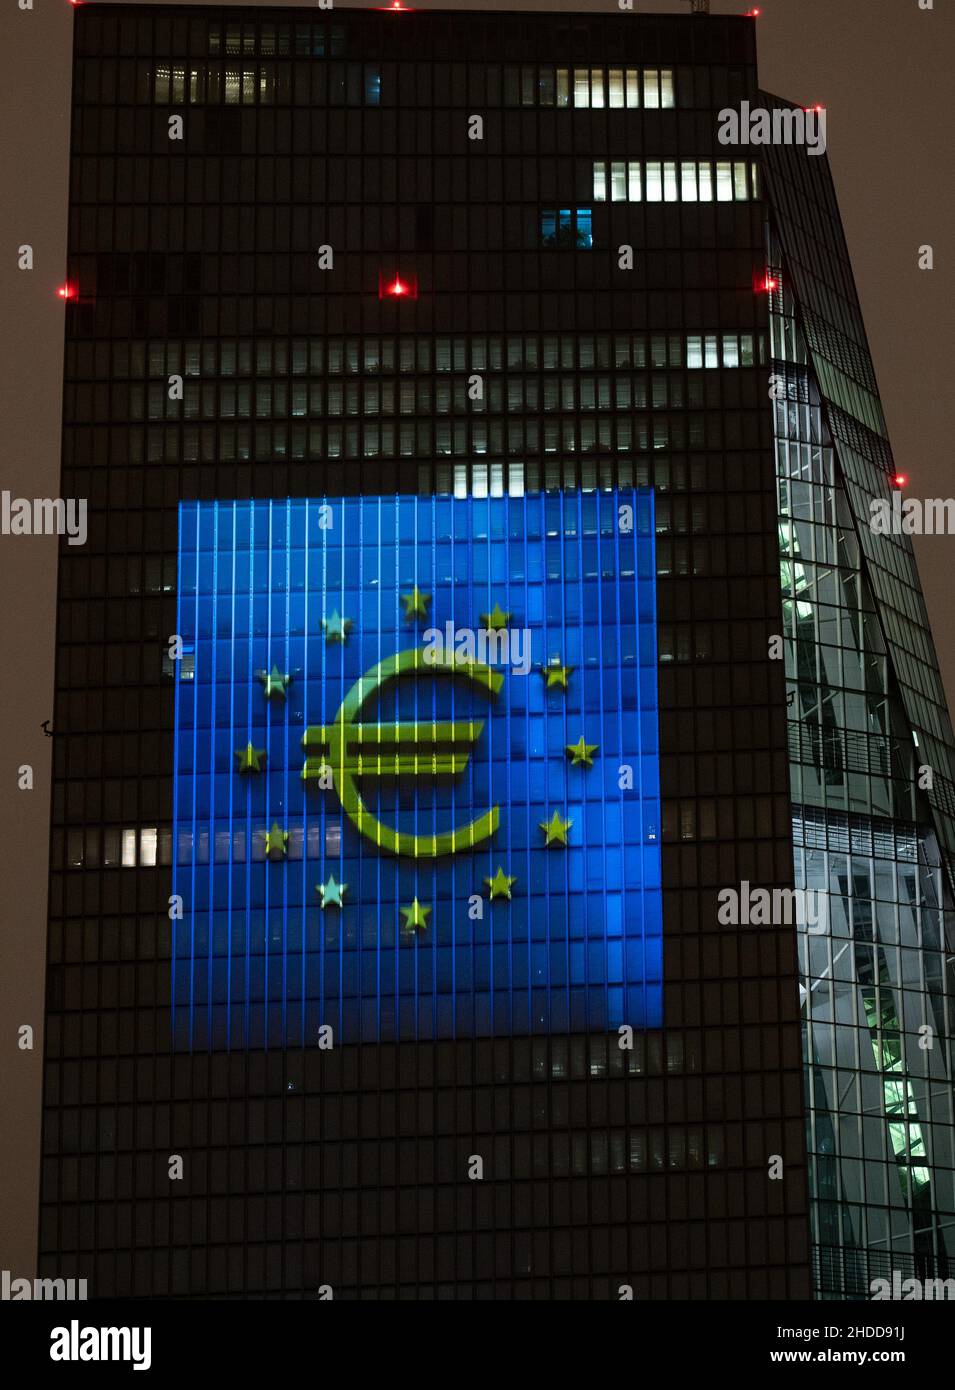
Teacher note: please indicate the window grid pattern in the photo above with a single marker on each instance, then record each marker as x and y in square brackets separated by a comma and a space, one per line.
[221, 247]
[817, 266]
[589, 88]
[264, 84]
[564, 387]
[881, 1123]
[675, 181]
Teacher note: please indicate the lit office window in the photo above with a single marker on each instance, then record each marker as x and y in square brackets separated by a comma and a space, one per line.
[567, 229]
[664, 182]
[148, 838]
[129, 849]
[592, 88]
[654, 182]
[728, 350]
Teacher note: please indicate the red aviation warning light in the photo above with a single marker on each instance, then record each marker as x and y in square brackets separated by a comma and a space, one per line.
[768, 283]
[394, 286]
[67, 291]
[900, 480]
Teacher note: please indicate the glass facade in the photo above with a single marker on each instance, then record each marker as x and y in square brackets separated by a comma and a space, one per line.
[867, 717]
[233, 350]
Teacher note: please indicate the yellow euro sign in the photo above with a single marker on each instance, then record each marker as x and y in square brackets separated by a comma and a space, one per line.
[348, 750]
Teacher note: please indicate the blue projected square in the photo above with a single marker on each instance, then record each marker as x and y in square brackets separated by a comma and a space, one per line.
[417, 770]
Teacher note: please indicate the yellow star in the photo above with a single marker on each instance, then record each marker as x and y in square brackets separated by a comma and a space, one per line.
[555, 830]
[500, 884]
[416, 916]
[416, 603]
[331, 892]
[581, 753]
[250, 759]
[336, 628]
[273, 682]
[556, 675]
[495, 620]
[276, 840]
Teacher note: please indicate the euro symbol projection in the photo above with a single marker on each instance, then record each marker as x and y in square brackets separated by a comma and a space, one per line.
[349, 750]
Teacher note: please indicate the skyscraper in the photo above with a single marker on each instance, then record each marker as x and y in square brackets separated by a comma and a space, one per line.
[426, 682]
